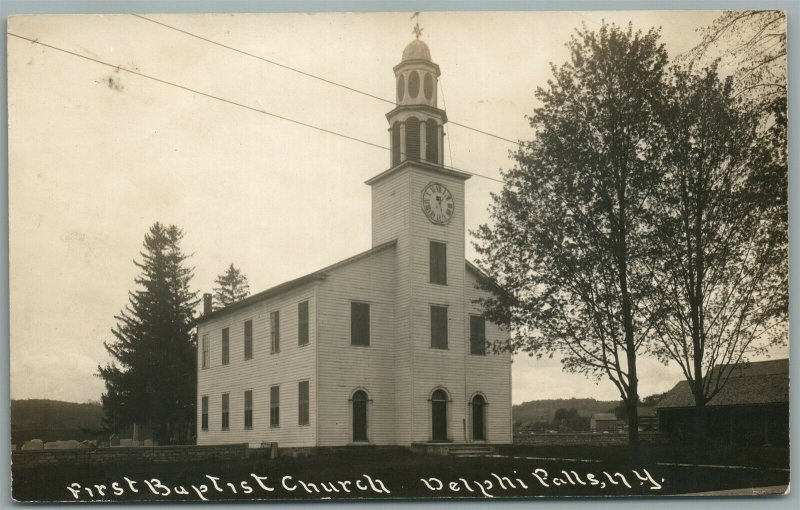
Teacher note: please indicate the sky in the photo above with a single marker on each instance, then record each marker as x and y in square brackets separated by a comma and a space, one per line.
[97, 155]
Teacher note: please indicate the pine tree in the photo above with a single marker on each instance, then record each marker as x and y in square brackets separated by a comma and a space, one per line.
[232, 287]
[152, 378]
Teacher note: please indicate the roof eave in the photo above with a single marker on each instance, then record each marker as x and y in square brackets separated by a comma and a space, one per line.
[314, 277]
[421, 164]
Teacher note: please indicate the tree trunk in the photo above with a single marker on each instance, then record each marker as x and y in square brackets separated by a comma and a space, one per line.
[627, 322]
[699, 430]
[635, 453]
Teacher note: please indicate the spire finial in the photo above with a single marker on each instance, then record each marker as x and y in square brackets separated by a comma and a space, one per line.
[417, 30]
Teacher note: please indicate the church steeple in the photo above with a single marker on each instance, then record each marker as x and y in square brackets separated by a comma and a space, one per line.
[416, 122]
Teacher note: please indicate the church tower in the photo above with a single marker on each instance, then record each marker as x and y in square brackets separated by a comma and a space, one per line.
[416, 124]
[420, 204]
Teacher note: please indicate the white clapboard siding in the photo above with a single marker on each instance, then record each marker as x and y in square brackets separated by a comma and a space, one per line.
[489, 374]
[344, 368]
[399, 370]
[434, 368]
[391, 219]
[285, 368]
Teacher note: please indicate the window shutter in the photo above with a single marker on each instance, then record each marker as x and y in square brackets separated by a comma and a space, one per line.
[274, 405]
[438, 262]
[302, 323]
[248, 409]
[302, 391]
[438, 327]
[225, 346]
[359, 323]
[248, 339]
[477, 334]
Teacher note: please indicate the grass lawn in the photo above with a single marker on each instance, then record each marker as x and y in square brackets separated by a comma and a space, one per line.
[364, 473]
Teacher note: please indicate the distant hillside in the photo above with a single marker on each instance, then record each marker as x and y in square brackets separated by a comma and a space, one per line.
[544, 410]
[50, 420]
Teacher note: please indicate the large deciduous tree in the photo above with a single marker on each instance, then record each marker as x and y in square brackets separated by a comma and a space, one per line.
[231, 287]
[715, 280]
[720, 233]
[750, 47]
[152, 377]
[565, 247]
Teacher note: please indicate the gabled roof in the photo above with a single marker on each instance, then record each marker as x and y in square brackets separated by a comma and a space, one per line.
[476, 269]
[604, 417]
[292, 284]
[764, 382]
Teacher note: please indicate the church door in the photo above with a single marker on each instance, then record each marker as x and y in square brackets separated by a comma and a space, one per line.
[478, 418]
[439, 415]
[359, 416]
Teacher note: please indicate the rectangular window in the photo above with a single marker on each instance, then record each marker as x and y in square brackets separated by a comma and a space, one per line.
[477, 335]
[302, 403]
[275, 331]
[248, 409]
[302, 323]
[225, 411]
[438, 262]
[248, 339]
[206, 352]
[274, 406]
[204, 416]
[226, 346]
[359, 323]
[438, 327]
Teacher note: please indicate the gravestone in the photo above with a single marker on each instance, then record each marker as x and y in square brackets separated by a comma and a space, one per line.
[33, 444]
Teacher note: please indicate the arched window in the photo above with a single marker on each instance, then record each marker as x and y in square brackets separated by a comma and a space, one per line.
[413, 84]
[478, 418]
[428, 86]
[401, 88]
[360, 416]
[439, 415]
[412, 139]
[395, 143]
[432, 141]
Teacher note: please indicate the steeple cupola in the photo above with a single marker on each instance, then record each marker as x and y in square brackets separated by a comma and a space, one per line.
[416, 123]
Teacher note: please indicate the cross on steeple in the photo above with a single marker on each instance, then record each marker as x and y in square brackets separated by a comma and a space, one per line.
[417, 30]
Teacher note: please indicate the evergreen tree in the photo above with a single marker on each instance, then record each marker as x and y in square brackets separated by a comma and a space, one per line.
[231, 287]
[152, 378]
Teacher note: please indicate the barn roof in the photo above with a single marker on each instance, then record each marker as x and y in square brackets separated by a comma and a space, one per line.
[763, 382]
[604, 417]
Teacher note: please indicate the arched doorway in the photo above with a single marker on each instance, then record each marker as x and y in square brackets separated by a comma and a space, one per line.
[439, 415]
[360, 416]
[478, 418]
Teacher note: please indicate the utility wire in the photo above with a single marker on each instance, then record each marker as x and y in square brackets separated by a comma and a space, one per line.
[310, 75]
[228, 101]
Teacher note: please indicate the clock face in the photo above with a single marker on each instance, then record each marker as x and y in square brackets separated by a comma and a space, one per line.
[438, 204]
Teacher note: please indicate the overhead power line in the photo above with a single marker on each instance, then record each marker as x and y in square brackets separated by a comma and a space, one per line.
[224, 100]
[310, 75]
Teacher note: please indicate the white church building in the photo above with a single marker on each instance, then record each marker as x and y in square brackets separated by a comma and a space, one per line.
[384, 348]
